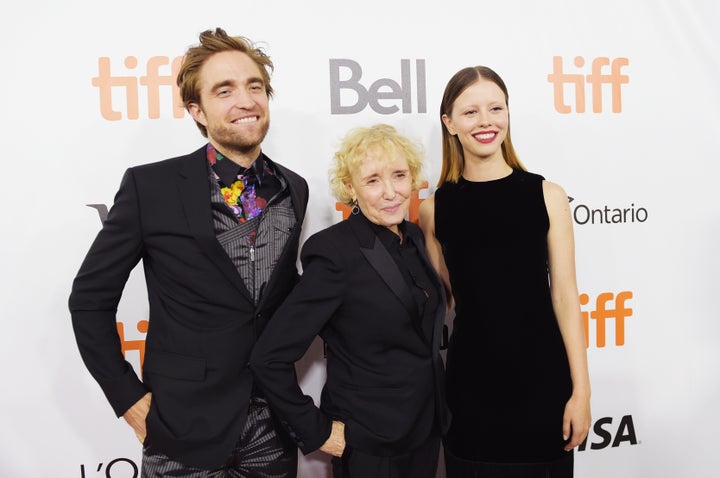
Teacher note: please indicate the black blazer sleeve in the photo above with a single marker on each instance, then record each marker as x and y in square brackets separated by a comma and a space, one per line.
[95, 295]
[289, 334]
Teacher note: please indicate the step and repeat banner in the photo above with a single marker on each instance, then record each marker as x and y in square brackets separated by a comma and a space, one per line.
[616, 101]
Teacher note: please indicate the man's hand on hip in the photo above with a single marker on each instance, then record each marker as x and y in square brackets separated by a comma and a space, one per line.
[135, 416]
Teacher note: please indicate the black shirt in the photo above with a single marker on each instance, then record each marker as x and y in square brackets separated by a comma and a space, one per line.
[414, 270]
[267, 184]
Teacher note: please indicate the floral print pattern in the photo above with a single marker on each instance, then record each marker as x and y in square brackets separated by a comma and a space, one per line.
[241, 195]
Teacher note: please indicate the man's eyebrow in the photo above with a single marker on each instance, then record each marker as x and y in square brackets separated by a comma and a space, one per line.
[222, 84]
[249, 81]
[255, 79]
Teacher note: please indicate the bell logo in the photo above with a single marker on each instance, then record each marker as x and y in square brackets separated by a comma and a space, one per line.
[607, 435]
[607, 306]
[110, 86]
[380, 94]
[596, 79]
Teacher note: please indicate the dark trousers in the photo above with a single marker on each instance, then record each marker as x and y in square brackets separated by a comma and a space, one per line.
[460, 468]
[419, 463]
[259, 453]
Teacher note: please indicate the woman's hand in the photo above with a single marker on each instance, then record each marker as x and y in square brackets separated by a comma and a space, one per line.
[576, 421]
[335, 444]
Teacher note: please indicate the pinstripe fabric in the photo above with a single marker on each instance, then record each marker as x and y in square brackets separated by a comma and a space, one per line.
[254, 261]
[259, 453]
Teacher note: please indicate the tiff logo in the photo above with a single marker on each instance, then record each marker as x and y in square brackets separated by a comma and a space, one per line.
[596, 79]
[382, 95]
[136, 345]
[607, 306]
[110, 85]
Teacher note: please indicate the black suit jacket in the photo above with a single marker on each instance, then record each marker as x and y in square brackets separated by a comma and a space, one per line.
[384, 376]
[203, 321]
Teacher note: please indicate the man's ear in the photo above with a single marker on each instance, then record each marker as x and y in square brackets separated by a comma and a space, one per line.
[197, 113]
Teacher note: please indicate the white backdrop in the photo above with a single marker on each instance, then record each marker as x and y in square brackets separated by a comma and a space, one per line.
[641, 151]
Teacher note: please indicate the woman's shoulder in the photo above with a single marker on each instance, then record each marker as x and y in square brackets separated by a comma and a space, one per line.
[444, 193]
[427, 207]
[330, 234]
[553, 192]
[446, 187]
[548, 187]
[524, 175]
[329, 244]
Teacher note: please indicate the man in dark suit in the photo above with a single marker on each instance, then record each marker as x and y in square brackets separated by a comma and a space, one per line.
[369, 290]
[217, 231]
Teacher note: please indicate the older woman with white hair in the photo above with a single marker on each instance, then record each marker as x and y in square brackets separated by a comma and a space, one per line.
[369, 290]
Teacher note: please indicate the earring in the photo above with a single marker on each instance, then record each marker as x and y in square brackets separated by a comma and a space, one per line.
[355, 209]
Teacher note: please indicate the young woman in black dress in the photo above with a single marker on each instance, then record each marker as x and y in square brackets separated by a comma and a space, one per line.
[502, 239]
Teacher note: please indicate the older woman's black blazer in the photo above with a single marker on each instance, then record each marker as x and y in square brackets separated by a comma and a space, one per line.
[384, 376]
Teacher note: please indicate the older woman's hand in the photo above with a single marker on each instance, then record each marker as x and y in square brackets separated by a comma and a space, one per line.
[335, 444]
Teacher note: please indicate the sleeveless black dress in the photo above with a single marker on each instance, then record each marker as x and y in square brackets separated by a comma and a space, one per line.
[508, 377]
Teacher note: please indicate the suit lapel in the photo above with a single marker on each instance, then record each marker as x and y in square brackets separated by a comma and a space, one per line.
[194, 192]
[439, 315]
[443, 413]
[419, 241]
[381, 260]
[298, 192]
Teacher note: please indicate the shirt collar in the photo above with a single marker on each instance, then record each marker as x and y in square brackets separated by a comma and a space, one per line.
[386, 236]
[228, 171]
